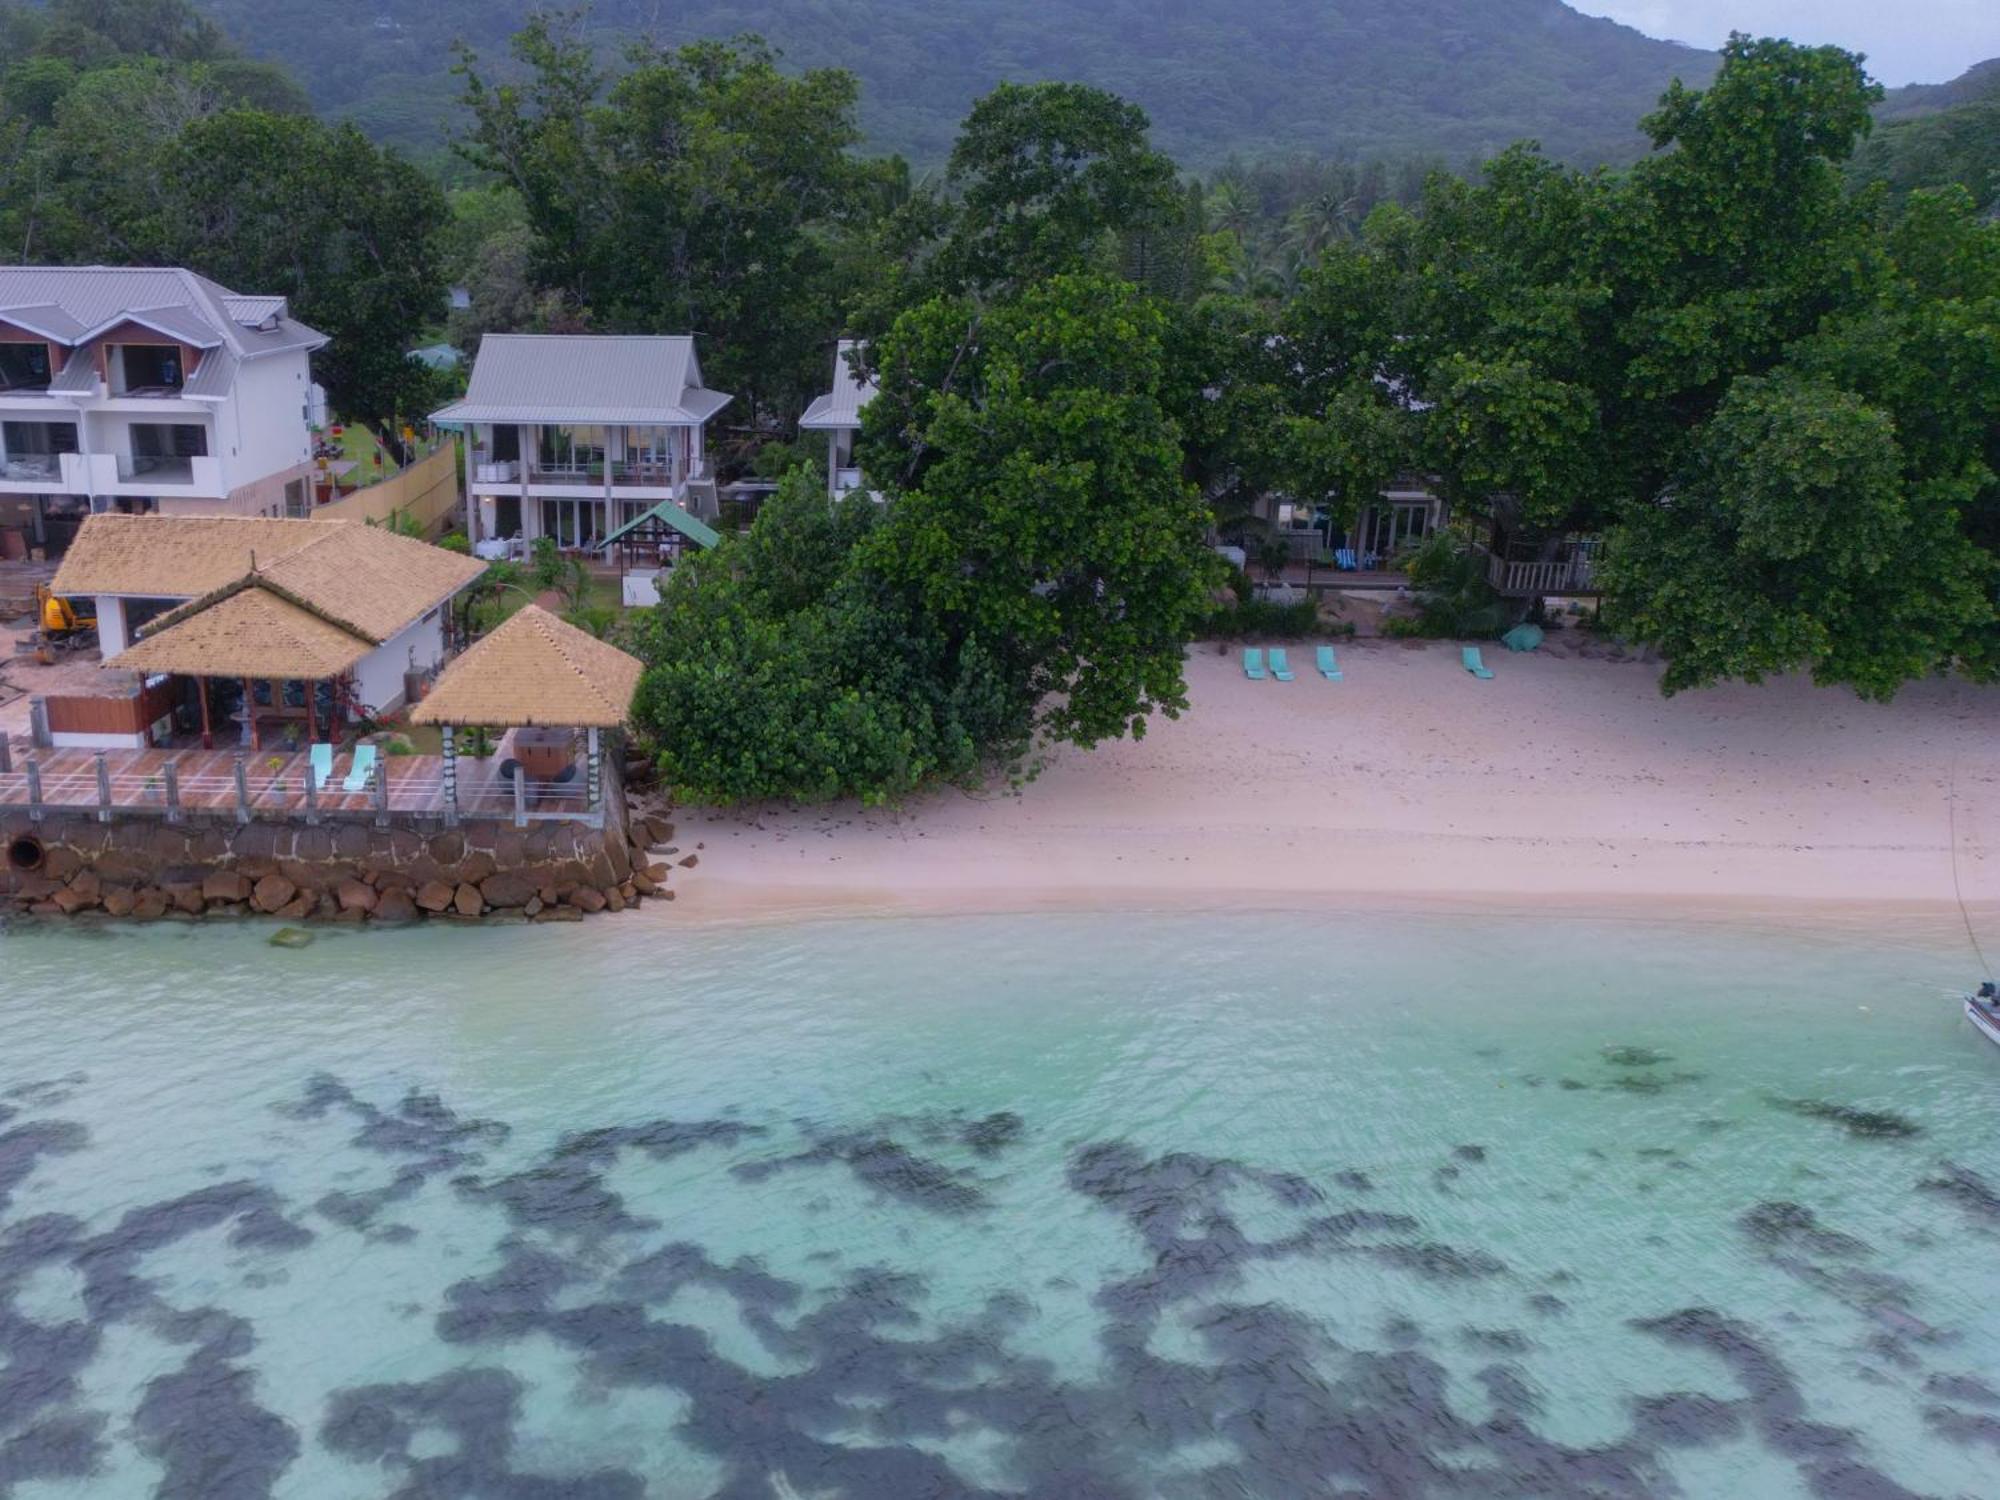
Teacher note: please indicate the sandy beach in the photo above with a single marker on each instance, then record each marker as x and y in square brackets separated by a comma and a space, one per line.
[1563, 782]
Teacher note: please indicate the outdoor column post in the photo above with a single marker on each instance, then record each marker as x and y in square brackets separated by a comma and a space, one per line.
[103, 789]
[242, 790]
[596, 771]
[520, 796]
[250, 714]
[380, 776]
[207, 735]
[450, 778]
[312, 798]
[6, 754]
[170, 778]
[34, 770]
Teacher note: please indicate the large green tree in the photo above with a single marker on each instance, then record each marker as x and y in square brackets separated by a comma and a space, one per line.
[1774, 392]
[1049, 178]
[1039, 509]
[345, 229]
[701, 189]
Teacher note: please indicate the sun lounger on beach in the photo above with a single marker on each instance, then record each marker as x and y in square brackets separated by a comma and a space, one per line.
[357, 774]
[1253, 663]
[1281, 667]
[1473, 664]
[320, 757]
[1329, 666]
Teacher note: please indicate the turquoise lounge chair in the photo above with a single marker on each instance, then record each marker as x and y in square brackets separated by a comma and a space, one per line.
[1329, 668]
[1253, 664]
[321, 760]
[357, 774]
[1280, 667]
[1473, 664]
[1343, 559]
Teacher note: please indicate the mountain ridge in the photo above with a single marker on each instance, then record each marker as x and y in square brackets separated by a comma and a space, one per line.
[1455, 79]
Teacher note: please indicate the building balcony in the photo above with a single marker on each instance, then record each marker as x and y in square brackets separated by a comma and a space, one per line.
[45, 473]
[640, 472]
[139, 473]
[42, 470]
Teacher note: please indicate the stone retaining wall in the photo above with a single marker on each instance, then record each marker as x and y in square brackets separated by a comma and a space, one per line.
[147, 869]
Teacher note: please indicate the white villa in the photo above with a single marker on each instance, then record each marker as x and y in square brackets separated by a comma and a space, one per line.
[146, 390]
[838, 415]
[575, 436]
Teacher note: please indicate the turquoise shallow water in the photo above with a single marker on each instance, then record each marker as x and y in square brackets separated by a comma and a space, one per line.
[1103, 1206]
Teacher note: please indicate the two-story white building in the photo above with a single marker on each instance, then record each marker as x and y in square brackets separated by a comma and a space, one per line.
[575, 435]
[146, 390]
[838, 415]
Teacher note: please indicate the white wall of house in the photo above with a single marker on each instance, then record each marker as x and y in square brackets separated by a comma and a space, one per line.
[378, 677]
[262, 428]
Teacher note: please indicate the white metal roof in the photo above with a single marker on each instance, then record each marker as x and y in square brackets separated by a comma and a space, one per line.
[841, 407]
[74, 304]
[609, 380]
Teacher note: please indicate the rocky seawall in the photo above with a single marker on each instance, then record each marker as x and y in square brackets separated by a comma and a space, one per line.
[146, 869]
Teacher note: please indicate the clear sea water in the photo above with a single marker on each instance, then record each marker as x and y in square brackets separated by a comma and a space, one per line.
[1355, 1204]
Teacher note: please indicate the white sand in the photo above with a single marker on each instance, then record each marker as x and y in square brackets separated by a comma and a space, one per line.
[1564, 782]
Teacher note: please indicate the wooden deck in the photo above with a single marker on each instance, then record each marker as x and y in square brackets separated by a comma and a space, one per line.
[205, 783]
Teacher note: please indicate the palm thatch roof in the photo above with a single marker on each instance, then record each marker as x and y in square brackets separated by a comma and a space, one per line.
[251, 633]
[366, 579]
[535, 671]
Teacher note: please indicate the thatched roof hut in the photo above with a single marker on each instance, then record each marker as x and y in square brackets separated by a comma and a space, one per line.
[535, 671]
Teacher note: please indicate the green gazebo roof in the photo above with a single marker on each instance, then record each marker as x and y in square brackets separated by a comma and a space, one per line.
[671, 514]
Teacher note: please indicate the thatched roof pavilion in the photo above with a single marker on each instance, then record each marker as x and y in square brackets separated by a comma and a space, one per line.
[533, 672]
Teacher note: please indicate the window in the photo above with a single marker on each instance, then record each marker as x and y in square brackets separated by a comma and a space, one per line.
[24, 367]
[152, 367]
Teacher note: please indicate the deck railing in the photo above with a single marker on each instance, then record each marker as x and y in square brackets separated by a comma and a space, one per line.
[248, 788]
[1575, 573]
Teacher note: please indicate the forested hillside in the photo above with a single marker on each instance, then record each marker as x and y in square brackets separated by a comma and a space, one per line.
[1925, 137]
[1368, 78]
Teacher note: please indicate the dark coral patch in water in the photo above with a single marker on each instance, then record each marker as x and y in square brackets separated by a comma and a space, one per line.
[23, 1147]
[1790, 1226]
[1863, 1124]
[1635, 1057]
[1966, 1188]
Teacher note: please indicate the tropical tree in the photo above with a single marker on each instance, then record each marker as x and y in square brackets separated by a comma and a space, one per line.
[701, 188]
[347, 230]
[1041, 519]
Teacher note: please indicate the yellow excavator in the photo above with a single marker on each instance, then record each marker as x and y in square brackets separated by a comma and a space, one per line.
[63, 627]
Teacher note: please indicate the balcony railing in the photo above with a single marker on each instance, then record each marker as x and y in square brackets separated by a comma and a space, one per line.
[31, 468]
[152, 468]
[542, 471]
[645, 472]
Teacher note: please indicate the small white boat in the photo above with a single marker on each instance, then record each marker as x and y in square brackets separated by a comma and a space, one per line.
[1983, 1010]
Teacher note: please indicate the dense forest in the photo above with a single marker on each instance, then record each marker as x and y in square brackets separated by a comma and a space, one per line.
[1946, 133]
[1361, 78]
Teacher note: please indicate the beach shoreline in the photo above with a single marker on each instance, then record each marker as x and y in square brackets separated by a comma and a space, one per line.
[1566, 785]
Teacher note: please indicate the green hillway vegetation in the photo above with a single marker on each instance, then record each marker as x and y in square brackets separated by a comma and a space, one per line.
[1773, 385]
[1457, 79]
